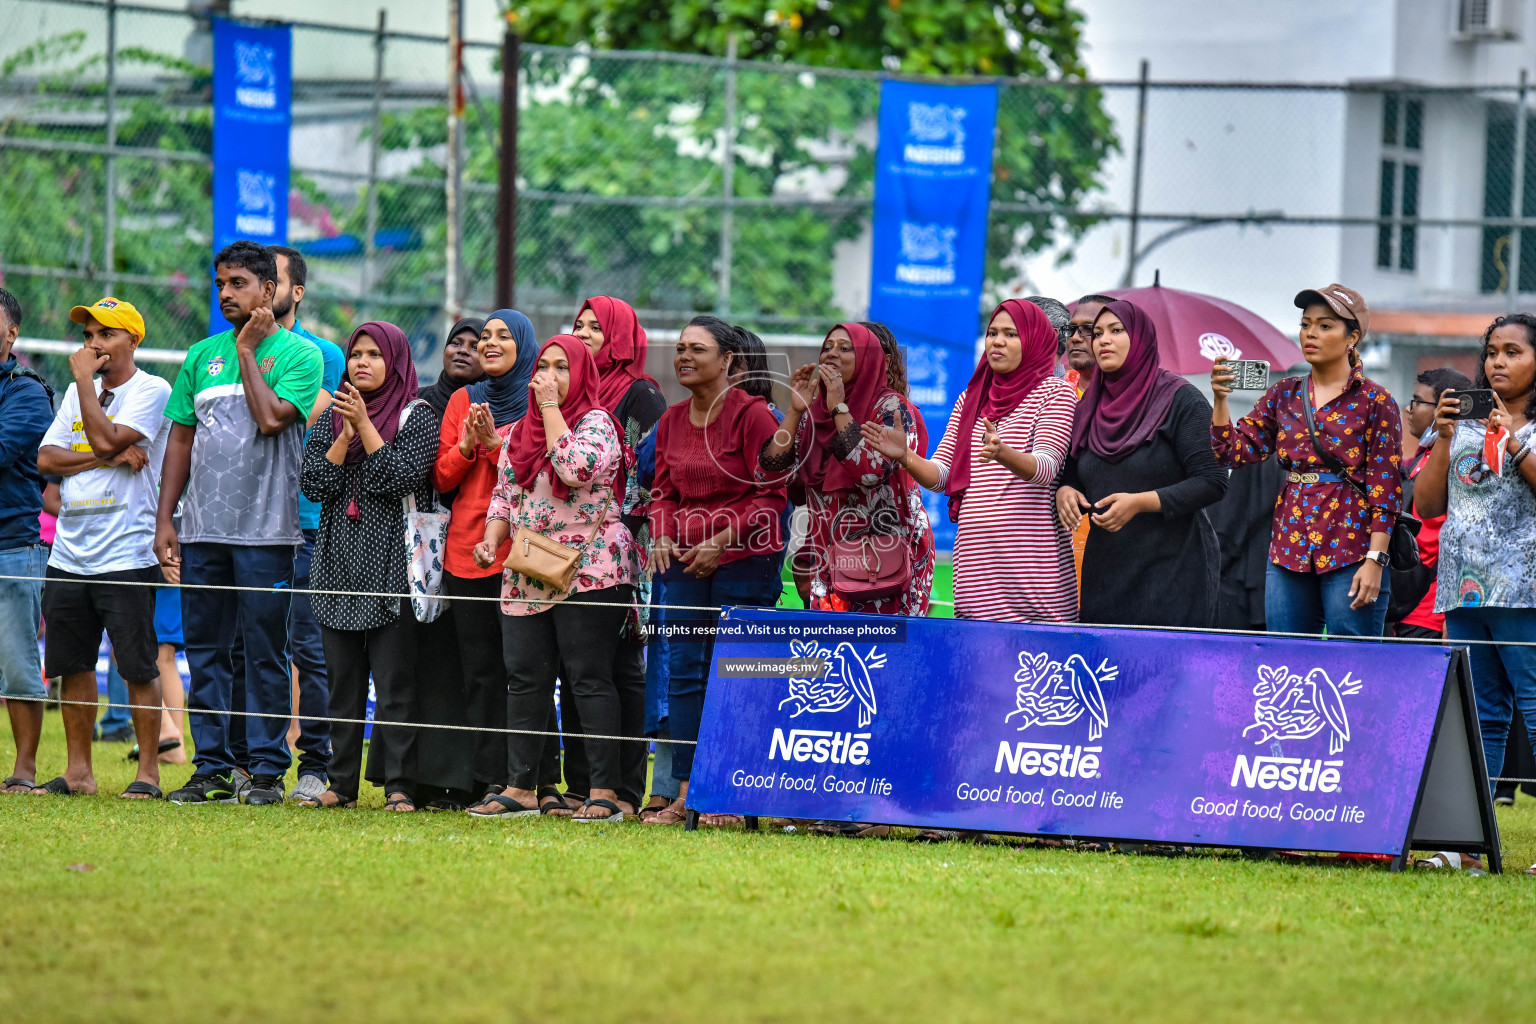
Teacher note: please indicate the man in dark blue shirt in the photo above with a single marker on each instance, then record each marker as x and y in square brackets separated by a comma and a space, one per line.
[26, 409]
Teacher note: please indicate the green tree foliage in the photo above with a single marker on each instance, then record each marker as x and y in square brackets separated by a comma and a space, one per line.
[609, 127]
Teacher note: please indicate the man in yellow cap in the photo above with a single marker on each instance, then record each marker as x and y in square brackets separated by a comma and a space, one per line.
[106, 442]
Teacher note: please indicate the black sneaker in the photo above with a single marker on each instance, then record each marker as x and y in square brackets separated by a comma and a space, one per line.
[205, 788]
[265, 789]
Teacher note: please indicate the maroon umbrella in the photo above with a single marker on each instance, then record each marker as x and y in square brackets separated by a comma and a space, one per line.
[1194, 329]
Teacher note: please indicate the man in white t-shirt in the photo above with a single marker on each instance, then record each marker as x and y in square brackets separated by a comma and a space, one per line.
[106, 442]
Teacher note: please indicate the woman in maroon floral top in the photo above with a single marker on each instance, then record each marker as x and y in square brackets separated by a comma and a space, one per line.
[1327, 551]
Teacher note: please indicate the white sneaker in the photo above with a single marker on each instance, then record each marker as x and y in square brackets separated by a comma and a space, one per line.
[309, 788]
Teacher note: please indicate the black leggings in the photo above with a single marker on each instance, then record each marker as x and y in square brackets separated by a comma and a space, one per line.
[576, 641]
[389, 652]
[478, 628]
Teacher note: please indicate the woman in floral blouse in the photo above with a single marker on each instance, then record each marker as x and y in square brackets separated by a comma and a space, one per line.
[561, 473]
[1328, 547]
[1481, 477]
[851, 488]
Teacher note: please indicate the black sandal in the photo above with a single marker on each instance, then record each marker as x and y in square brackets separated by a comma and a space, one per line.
[395, 801]
[57, 787]
[165, 745]
[509, 808]
[137, 788]
[343, 802]
[616, 815]
[17, 780]
[552, 801]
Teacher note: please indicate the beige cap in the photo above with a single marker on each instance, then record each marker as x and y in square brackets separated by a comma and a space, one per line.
[1344, 301]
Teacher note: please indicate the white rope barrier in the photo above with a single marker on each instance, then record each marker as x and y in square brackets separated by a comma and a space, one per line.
[1200, 630]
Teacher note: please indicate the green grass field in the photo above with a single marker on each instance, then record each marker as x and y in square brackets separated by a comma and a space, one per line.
[118, 911]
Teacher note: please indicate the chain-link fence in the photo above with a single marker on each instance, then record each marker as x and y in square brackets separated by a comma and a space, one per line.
[1244, 191]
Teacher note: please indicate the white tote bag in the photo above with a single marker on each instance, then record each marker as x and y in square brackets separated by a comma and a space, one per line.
[426, 535]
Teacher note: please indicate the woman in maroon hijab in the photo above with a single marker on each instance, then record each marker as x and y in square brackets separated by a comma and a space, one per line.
[1143, 472]
[998, 462]
[376, 446]
[851, 488]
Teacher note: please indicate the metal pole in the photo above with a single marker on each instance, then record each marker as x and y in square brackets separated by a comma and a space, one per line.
[1141, 136]
[454, 188]
[728, 179]
[506, 197]
[370, 245]
[1517, 199]
[109, 208]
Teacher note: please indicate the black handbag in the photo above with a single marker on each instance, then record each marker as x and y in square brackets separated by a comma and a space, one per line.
[1403, 548]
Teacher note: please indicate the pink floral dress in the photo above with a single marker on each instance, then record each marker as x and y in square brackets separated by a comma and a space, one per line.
[589, 458]
[887, 502]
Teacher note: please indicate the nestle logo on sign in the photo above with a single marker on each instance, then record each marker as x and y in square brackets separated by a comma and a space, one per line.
[820, 746]
[935, 134]
[1310, 775]
[1049, 759]
[256, 74]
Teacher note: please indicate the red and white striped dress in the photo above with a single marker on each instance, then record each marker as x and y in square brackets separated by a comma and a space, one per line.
[1012, 560]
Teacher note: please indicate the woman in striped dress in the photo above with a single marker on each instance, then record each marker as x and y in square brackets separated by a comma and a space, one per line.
[1001, 453]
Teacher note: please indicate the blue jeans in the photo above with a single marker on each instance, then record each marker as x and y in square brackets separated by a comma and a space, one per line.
[306, 655]
[1306, 602]
[750, 581]
[209, 622]
[21, 609]
[1504, 678]
[116, 714]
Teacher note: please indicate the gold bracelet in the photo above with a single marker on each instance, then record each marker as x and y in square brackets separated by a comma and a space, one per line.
[546, 405]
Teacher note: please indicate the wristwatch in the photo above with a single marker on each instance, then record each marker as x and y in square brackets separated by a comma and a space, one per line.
[1381, 558]
[841, 407]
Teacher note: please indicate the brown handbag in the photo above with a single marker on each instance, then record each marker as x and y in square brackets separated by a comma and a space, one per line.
[537, 557]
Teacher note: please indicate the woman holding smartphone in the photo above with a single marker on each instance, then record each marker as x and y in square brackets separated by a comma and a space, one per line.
[1480, 476]
[1328, 546]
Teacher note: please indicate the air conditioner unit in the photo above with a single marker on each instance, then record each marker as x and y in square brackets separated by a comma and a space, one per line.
[1483, 20]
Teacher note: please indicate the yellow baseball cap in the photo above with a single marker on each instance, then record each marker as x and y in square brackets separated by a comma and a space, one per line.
[111, 313]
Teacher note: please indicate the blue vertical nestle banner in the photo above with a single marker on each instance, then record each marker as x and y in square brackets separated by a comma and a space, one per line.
[252, 112]
[933, 181]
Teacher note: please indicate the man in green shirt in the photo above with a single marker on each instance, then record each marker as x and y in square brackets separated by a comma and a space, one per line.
[237, 412]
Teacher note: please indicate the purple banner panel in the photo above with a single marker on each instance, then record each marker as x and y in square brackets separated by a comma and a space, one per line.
[1070, 731]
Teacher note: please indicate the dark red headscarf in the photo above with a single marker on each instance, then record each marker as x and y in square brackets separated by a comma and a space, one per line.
[388, 400]
[822, 470]
[621, 361]
[1121, 410]
[992, 395]
[527, 446]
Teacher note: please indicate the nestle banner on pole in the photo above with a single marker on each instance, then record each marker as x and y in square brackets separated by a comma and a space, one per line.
[933, 181]
[1074, 731]
[252, 114]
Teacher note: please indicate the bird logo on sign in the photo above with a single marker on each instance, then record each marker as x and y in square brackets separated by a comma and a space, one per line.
[1292, 707]
[846, 680]
[1059, 693]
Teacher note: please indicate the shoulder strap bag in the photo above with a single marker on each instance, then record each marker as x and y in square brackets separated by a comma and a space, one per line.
[426, 536]
[548, 561]
[1403, 548]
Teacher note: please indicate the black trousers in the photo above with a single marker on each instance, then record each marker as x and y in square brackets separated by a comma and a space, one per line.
[478, 626]
[389, 653]
[634, 758]
[575, 642]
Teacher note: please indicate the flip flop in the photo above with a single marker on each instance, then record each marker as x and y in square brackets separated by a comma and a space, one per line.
[552, 801]
[56, 787]
[17, 780]
[137, 788]
[165, 745]
[616, 814]
[510, 808]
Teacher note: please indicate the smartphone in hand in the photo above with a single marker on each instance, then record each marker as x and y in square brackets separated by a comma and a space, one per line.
[1249, 374]
[1475, 404]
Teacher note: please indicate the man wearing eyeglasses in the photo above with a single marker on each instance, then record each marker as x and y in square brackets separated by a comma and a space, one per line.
[1080, 361]
[106, 442]
[1419, 422]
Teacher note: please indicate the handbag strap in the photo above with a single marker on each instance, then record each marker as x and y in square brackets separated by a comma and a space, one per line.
[1334, 465]
[408, 502]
